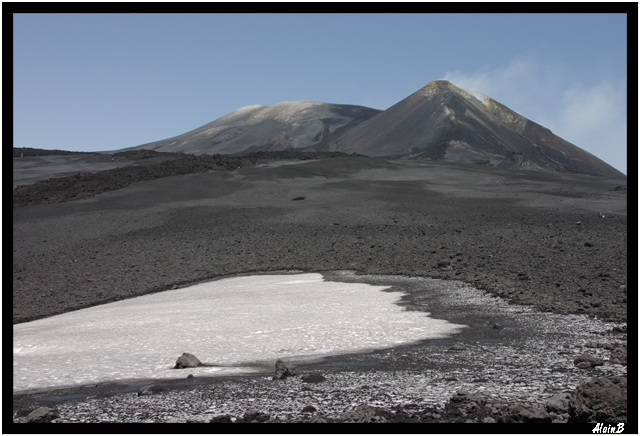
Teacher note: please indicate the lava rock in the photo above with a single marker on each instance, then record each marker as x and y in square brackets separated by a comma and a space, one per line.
[221, 419]
[282, 371]
[465, 407]
[42, 414]
[187, 360]
[600, 400]
[253, 415]
[558, 404]
[309, 409]
[587, 361]
[313, 378]
[519, 413]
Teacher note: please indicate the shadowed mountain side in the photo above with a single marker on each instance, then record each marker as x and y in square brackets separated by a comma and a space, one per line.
[443, 122]
[290, 125]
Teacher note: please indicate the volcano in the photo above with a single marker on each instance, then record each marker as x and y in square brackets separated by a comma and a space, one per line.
[446, 123]
[439, 122]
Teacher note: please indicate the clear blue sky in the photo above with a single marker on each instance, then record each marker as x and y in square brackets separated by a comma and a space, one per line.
[97, 82]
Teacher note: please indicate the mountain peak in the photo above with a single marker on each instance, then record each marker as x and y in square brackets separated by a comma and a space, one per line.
[443, 122]
[444, 85]
[438, 85]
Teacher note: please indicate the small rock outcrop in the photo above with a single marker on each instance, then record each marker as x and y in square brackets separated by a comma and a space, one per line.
[255, 416]
[465, 406]
[600, 400]
[587, 361]
[558, 404]
[187, 360]
[42, 414]
[282, 371]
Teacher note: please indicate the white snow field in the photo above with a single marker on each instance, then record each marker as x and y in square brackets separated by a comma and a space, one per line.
[238, 323]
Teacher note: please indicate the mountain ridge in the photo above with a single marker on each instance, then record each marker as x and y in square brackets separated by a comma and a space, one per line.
[301, 125]
[440, 121]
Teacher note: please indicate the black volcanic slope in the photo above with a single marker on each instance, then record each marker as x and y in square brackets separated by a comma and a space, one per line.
[59, 187]
[531, 237]
[446, 123]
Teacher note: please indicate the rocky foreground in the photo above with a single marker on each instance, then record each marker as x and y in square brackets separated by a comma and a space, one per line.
[512, 365]
[344, 397]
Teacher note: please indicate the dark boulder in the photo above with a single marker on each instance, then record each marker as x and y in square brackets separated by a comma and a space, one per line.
[187, 360]
[587, 361]
[221, 419]
[42, 414]
[600, 400]
[465, 406]
[255, 416]
[558, 404]
[467, 397]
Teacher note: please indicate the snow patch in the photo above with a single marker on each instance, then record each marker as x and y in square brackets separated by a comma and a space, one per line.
[250, 107]
[236, 324]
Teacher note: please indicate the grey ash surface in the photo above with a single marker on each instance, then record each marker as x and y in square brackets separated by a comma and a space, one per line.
[531, 238]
